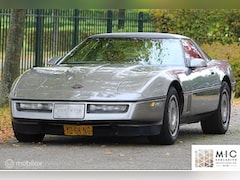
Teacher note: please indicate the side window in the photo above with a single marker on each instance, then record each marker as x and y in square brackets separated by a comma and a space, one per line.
[190, 50]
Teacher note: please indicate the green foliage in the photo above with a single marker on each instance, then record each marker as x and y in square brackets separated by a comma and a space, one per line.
[236, 70]
[203, 25]
[229, 52]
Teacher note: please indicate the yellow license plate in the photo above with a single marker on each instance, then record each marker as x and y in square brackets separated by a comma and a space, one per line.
[73, 130]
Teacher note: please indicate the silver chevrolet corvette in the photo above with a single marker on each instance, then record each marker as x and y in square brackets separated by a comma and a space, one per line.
[124, 84]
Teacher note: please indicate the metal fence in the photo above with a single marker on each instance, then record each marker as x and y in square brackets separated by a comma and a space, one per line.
[53, 32]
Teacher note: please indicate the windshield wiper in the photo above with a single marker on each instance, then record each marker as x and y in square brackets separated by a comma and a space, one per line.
[85, 62]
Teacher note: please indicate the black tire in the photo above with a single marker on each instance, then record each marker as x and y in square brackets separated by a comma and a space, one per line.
[27, 137]
[218, 123]
[171, 120]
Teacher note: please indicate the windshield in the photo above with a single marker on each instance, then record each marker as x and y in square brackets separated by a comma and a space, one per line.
[127, 50]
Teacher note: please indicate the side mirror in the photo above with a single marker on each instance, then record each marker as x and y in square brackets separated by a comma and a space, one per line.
[197, 62]
[53, 61]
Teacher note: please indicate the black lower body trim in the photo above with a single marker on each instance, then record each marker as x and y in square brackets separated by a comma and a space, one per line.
[99, 129]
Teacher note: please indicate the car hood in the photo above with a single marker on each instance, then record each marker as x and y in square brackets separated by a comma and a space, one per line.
[88, 82]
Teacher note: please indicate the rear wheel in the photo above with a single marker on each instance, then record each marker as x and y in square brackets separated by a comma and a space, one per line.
[171, 120]
[218, 123]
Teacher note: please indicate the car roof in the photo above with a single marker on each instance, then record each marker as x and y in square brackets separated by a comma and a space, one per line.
[144, 35]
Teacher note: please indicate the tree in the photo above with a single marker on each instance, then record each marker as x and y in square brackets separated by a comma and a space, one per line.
[11, 69]
[202, 25]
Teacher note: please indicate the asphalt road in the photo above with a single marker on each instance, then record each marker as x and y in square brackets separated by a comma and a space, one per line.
[74, 153]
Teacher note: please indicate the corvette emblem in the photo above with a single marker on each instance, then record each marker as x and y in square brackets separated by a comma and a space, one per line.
[77, 86]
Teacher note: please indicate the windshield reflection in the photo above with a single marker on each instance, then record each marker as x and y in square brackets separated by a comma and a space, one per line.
[127, 50]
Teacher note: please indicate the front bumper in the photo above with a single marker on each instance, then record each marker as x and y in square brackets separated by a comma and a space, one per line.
[144, 111]
[142, 118]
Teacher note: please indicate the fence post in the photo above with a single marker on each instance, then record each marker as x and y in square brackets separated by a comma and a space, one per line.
[140, 22]
[76, 27]
[55, 31]
[121, 18]
[109, 21]
[39, 37]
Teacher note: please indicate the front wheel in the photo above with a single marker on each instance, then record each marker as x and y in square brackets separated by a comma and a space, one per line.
[29, 137]
[171, 120]
[22, 137]
[218, 123]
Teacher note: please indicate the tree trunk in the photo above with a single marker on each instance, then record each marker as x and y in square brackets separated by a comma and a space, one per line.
[11, 69]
